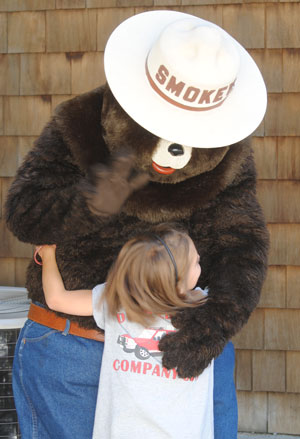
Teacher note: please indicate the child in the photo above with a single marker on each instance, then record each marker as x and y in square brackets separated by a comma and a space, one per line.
[152, 278]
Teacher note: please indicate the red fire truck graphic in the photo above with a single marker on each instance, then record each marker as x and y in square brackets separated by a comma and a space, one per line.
[144, 345]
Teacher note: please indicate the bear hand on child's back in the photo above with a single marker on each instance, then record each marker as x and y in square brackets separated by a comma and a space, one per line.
[187, 354]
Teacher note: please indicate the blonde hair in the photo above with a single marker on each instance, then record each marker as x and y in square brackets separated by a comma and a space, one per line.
[143, 280]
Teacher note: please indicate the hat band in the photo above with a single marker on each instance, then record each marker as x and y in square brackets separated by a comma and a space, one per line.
[200, 100]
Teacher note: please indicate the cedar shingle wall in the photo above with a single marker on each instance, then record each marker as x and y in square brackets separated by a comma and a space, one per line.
[53, 49]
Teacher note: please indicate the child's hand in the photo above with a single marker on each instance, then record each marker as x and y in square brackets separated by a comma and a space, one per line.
[45, 252]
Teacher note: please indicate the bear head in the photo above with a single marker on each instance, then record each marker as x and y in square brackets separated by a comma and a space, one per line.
[164, 161]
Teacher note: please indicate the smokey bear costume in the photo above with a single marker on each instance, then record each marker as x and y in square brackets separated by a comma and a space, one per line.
[201, 176]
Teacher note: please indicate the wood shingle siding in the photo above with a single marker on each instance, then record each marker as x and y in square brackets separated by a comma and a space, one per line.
[52, 50]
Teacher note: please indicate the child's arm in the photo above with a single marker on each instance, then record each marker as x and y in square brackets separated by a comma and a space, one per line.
[77, 302]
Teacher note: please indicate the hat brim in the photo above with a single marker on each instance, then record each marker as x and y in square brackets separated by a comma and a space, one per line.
[124, 63]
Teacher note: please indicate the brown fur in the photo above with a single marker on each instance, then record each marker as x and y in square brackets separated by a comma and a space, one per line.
[213, 197]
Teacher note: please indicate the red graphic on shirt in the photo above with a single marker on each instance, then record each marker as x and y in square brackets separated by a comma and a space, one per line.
[145, 344]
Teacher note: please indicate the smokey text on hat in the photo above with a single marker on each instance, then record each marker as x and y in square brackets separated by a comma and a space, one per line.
[193, 66]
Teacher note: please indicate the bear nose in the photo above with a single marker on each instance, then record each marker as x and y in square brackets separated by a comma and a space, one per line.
[176, 149]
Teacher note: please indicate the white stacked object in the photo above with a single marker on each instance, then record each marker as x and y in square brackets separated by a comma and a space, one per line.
[14, 305]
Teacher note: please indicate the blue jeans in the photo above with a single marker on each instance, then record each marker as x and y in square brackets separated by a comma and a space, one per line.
[55, 383]
[225, 402]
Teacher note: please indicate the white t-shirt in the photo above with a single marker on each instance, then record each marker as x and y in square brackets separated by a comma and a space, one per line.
[138, 398]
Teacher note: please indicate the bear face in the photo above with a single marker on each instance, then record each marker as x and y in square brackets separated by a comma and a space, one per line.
[164, 161]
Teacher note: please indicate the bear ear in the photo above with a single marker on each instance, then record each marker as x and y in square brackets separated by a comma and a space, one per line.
[115, 122]
[111, 106]
[80, 129]
[120, 130]
[109, 101]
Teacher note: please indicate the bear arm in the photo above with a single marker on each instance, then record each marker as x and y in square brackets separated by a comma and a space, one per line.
[44, 203]
[234, 267]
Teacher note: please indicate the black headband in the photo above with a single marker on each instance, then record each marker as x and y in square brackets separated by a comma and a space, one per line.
[170, 254]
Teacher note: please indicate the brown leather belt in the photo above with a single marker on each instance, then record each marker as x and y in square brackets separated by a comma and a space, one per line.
[51, 320]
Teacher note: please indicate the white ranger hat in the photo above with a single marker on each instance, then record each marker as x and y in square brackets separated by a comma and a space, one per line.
[184, 79]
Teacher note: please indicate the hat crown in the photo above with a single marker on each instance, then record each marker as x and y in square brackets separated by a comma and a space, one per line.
[198, 54]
